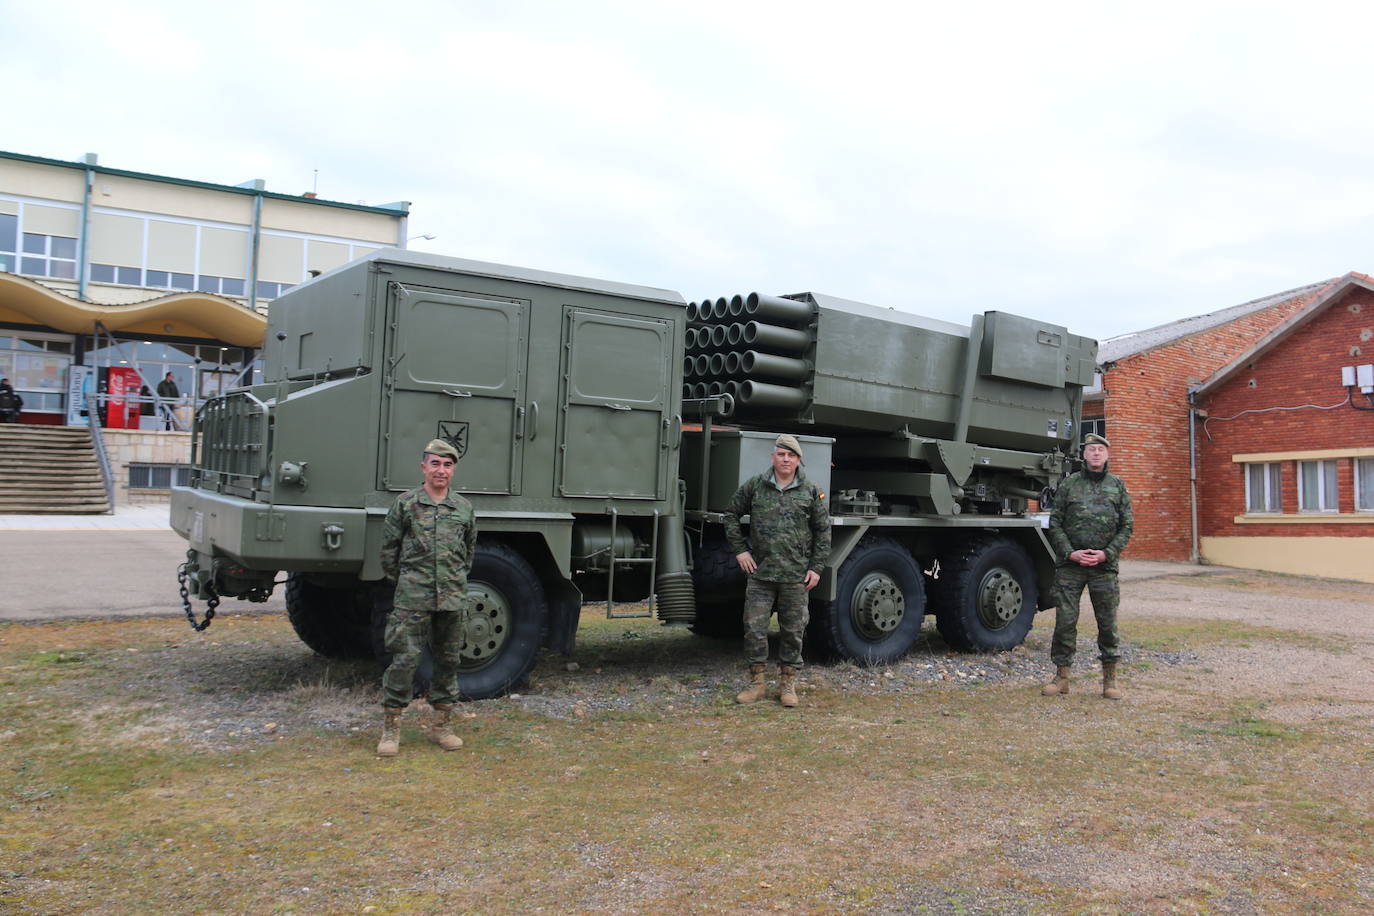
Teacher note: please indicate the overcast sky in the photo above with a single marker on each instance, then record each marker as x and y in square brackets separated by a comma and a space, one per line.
[1104, 166]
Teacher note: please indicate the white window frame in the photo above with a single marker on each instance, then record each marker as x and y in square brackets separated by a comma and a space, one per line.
[1364, 484]
[1272, 498]
[1327, 488]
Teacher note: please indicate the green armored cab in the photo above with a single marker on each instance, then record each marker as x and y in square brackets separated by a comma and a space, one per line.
[602, 427]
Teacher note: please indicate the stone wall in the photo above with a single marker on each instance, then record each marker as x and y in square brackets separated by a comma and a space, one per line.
[131, 446]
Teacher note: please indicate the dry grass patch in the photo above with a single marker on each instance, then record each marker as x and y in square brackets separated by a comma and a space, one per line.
[626, 780]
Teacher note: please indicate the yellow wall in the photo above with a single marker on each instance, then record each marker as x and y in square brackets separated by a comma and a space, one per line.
[166, 199]
[35, 180]
[290, 216]
[1332, 558]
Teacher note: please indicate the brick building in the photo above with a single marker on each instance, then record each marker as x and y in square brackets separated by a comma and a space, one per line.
[1286, 448]
[1142, 407]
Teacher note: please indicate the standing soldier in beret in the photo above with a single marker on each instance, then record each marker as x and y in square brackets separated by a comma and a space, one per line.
[1089, 528]
[427, 546]
[789, 530]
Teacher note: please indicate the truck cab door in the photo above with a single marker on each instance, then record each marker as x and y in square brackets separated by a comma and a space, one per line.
[455, 370]
[616, 430]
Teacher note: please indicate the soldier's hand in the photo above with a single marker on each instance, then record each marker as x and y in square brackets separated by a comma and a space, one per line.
[746, 562]
[811, 580]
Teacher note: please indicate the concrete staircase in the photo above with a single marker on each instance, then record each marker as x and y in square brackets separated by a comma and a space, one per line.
[50, 470]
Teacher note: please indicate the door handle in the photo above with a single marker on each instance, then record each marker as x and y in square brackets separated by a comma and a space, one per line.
[534, 420]
[616, 406]
[456, 393]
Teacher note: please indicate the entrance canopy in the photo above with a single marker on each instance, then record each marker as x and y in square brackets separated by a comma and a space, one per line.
[195, 315]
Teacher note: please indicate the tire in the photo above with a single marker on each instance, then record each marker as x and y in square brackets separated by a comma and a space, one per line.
[879, 605]
[335, 622]
[719, 621]
[986, 596]
[719, 586]
[507, 618]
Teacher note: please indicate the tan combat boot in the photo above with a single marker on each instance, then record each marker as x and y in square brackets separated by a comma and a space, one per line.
[438, 730]
[390, 745]
[756, 689]
[1109, 689]
[1060, 685]
[787, 696]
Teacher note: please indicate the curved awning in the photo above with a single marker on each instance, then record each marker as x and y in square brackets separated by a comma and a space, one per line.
[196, 315]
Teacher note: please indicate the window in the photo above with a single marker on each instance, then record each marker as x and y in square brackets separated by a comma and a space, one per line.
[158, 476]
[111, 273]
[224, 286]
[1262, 487]
[272, 290]
[48, 256]
[1094, 426]
[1364, 484]
[162, 279]
[1316, 486]
[36, 365]
[9, 232]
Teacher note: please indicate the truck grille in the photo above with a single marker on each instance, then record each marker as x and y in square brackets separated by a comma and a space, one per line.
[232, 432]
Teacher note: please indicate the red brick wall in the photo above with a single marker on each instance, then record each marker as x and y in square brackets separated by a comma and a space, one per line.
[1146, 408]
[1305, 368]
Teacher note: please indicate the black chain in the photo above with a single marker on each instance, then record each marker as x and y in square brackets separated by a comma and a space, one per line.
[211, 602]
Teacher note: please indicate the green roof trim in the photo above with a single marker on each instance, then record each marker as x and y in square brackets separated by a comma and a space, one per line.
[388, 210]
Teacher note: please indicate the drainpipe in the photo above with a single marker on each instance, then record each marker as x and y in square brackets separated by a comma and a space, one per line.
[1195, 554]
[257, 185]
[82, 246]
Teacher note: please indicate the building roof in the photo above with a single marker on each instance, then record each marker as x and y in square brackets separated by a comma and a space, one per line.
[1121, 346]
[1335, 290]
[197, 315]
[251, 188]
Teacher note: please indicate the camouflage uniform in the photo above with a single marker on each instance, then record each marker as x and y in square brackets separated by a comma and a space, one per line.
[789, 533]
[427, 550]
[1091, 512]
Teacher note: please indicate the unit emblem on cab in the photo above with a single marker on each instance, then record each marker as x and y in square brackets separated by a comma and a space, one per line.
[455, 433]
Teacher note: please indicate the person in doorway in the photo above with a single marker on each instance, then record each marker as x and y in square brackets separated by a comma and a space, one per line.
[428, 541]
[10, 402]
[1089, 527]
[169, 393]
[789, 540]
[146, 405]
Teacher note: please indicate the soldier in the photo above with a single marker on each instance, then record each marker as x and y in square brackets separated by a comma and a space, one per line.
[1089, 528]
[427, 547]
[789, 527]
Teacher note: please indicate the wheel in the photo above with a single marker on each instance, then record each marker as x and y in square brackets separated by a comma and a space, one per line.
[507, 614]
[719, 621]
[879, 605]
[335, 622]
[719, 586]
[986, 596]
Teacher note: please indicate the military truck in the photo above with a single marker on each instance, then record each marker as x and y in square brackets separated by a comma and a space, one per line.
[602, 428]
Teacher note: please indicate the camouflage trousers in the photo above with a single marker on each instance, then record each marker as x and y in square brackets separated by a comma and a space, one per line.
[1103, 589]
[760, 600]
[408, 632]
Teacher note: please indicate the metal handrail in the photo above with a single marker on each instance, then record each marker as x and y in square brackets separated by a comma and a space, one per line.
[101, 456]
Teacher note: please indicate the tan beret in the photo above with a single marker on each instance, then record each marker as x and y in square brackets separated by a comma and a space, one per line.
[441, 448]
[790, 443]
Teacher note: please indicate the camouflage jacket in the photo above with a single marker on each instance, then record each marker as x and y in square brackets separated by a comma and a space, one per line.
[789, 530]
[1091, 515]
[427, 550]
